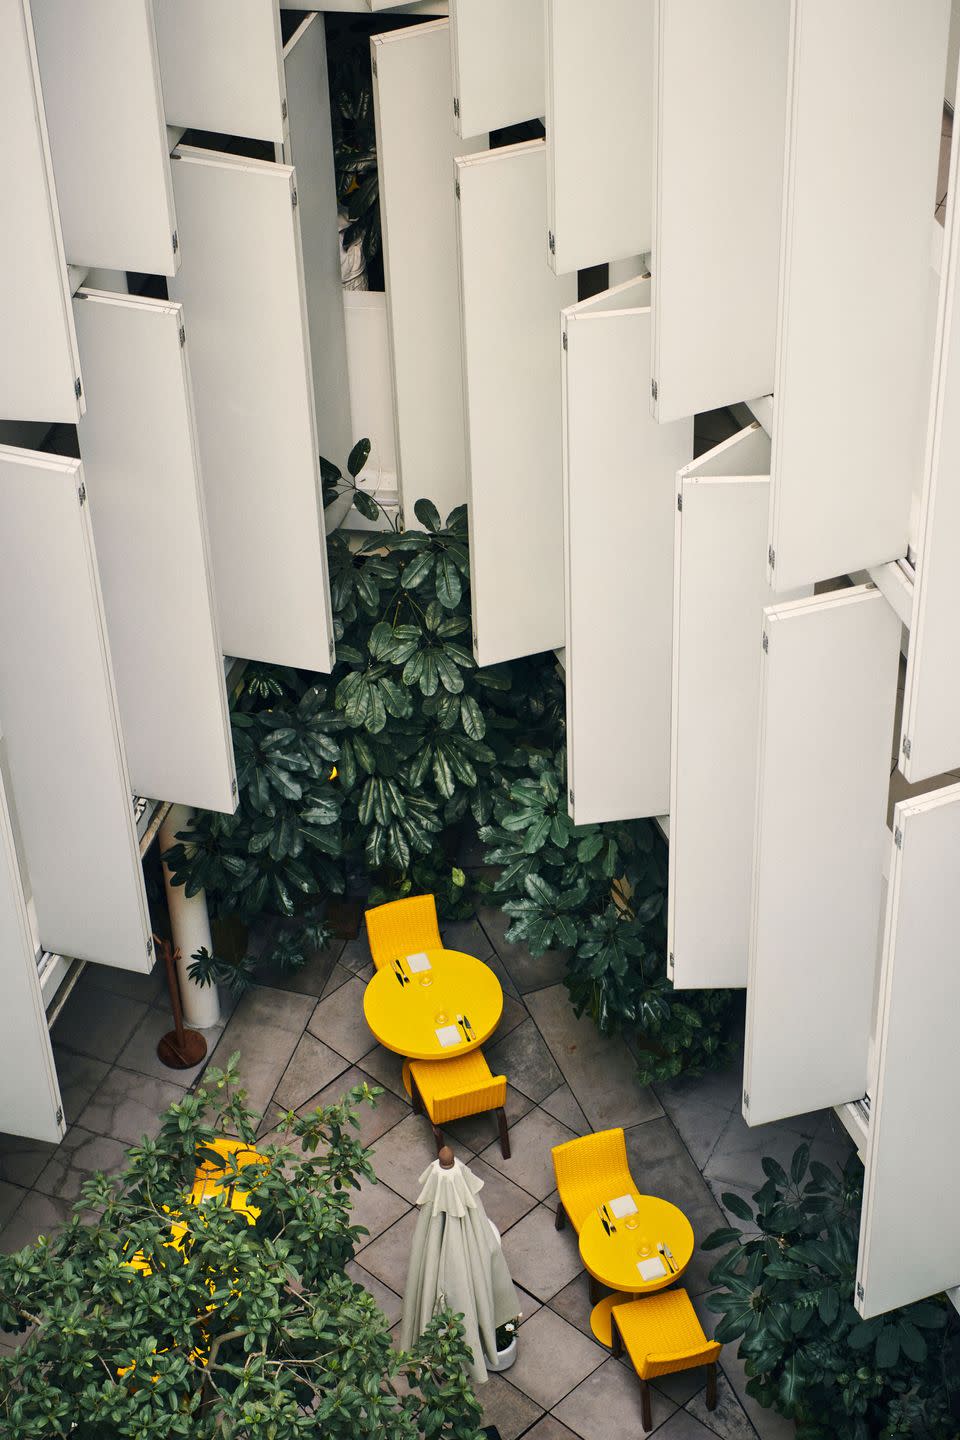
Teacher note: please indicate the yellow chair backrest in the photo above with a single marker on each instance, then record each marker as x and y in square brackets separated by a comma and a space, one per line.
[402, 927]
[584, 1167]
[654, 1365]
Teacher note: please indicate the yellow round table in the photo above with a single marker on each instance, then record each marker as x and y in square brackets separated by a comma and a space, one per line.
[406, 1014]
[612, 1259]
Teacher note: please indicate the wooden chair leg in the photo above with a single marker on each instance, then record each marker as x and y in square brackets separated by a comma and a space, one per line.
[712, 1387]
[561, 1219]
[596, 1290]
[438, 1137]
[645, 1414]
[504, 1133]
[416, 1100]
[616, 1339]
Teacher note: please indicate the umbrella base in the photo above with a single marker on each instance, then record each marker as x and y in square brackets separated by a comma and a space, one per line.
[177, 1057]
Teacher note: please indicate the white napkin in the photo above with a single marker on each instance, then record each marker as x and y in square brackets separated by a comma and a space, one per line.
[420, 961]
[623, 1205]
[652, 1269]
[449, 1035]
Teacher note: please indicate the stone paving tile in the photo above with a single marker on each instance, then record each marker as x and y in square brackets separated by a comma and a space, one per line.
[531, 1163]
[36, 1215]
[514, 1014]
[340, 1018]
[740, 1148]
[553, 1359]
[376, 1207]
[312, 978]
[10, 1197]
[562, 1105]
[127, 1106]
[541, 1258]
[386, 1067]
[375, 1120]
[524, 1058]
[338, 976]
[388, 1300]
[529, 1304]
[728, 1419]
[683, 1426]
[79, 1076]
[401, 1155]
[506, 1407]
[356, 955]
[22, 1159]
[503, 1201]
[479, 1131]
[140, 1051]
[549, 1428]
[680, 1388]
[599, 1069]
[700, 1126]
[97, 1022]
[78, 1157]
[527, 971]
[130, 983]
[607, 1404]
[388, 1256]
[573, 1302]
[467, 936]
[313, 1066]
[266, 1028]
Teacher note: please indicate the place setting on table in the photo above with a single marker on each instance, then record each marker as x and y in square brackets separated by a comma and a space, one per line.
[428, 1004]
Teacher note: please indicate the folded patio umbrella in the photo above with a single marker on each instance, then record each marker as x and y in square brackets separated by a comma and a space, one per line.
[456, 1260]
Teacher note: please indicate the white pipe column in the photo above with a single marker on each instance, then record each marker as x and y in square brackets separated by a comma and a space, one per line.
[190, 927]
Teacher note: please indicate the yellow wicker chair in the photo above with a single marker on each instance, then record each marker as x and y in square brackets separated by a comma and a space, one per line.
[403, 927]
[588, 1171]
[447, 1090]
[662, 1335]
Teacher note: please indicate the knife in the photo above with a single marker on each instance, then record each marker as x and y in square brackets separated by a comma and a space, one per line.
[610, 1218]
[399, 978]
[603, 1221]
[469, 1027]
[399, 969]
[674, 1267]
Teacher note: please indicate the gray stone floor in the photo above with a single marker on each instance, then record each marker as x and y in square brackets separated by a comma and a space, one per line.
[303, 1041]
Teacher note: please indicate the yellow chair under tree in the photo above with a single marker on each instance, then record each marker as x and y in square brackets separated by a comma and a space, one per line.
[588, 1171]
[662, 1336]
[448, 1090]
[402, 927]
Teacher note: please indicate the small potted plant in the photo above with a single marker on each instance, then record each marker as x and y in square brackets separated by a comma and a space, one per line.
[506, 1345]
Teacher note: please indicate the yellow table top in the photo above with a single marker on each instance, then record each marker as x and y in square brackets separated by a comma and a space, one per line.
[612, 1259]
[405, 1018]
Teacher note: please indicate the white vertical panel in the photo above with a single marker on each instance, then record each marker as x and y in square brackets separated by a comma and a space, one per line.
[309, 147]
[931, 708]
[101, 90]
[619, 469]
[221, 65]
[600, 78]
[39, 373]
[241, 284]
[858, 192]
[371, 387]
[416, 145]
[720, 591]
[61, 721]
[721, 96]
[29, 1092]
[498, 63]
[909, 1239]
[511, 351]
[828, 693]
[142, 468]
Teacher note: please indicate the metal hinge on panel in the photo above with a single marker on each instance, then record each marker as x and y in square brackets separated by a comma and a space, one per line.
[551, 241]
[77, 387]
[679, 502]
[183, 336]
[175, 238]
[150, 945]
[333, 653]
[670, 962]
[654, 389]
[898, 838]
[233, 786]
[82, 494]
[283, 109]
[907, 746]
[294, 197]
[373, 66]
[859, 1291]
[59, 1115]
[570, 794]
[457, 187]
[746, 1100]
[564, 337]
[456, 107]
[766, 642]
[771, 556]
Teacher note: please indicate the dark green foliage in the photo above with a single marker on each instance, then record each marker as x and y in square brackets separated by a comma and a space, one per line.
[290, 1348]
[599, 891]
[786, 1284]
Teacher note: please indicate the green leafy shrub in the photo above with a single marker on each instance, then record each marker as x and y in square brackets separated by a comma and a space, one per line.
[247, 1330]
[786, 1284]
[599, 891]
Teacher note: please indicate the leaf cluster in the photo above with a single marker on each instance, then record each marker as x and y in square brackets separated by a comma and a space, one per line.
[785, 1287]
[247, 1330]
